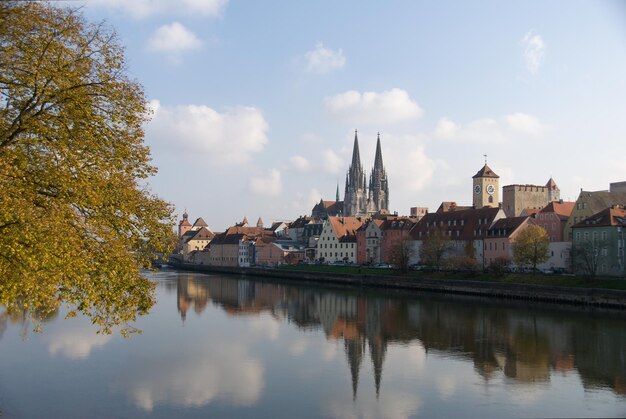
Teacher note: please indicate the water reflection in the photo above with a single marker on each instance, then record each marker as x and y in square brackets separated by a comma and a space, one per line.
[524, 344]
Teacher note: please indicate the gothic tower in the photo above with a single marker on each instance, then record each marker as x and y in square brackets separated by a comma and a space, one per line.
[486, 188]
[378, 198]
[355, 196]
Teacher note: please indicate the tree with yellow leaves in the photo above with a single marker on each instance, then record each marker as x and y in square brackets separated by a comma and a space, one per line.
[77, 221]
[531, 246]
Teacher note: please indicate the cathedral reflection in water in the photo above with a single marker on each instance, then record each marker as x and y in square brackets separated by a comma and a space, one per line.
[527, 343]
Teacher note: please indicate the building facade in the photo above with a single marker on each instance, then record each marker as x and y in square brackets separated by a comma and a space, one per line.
[601, 238]
[517, 198]
[589, 203]
[337, 243]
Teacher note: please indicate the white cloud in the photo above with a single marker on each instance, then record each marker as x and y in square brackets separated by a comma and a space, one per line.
[193, 379]
[174, 38]
[324, 60]
[395, 405]
[75, 342]
[298, 346]
[264, 325]
[409, 168]
[489, 130]
[300, 164]
[524, 123]
[268, 184]
[376, 108]
[446, 128]
[314, 197]
[534, 51]
[222, 138]
[331, 162]
[146, 8]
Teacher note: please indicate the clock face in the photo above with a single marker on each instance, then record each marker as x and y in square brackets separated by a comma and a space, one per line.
[490, 189]
[477, 189]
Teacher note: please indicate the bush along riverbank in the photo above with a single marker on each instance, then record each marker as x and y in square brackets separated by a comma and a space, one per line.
[558, 288]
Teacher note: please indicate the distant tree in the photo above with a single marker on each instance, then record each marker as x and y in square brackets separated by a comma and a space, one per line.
[462, 263]
[434, 248]
[401, 254]
[531, 246]
[587, 255]
[77, 221]
[499, 265]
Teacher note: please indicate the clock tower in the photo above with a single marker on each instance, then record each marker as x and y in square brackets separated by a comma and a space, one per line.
[486, 188]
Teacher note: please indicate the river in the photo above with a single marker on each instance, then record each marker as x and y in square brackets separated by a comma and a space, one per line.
[232, 347]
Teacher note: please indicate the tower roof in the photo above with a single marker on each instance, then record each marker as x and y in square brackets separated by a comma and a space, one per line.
[356, 156]
[551, 184]
[378, 160]
[485, 172]
[200, 223]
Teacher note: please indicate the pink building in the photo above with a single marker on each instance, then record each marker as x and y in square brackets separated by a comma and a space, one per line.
[553, 218]
[393, 233]
[501, 236]
[368, 242]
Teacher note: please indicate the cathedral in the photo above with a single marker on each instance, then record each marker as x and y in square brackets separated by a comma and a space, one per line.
[361, 198]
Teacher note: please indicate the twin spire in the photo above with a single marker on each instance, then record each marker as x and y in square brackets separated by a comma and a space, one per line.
[361, 197]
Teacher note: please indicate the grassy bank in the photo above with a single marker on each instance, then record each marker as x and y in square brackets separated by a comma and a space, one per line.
[510, 278]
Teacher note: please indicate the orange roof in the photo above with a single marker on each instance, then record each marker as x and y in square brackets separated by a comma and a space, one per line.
[563, 209]
[345, 226]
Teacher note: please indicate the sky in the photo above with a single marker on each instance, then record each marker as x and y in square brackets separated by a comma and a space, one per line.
[255, 103]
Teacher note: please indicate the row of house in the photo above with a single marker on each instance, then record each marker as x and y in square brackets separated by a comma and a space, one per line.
[481, 235]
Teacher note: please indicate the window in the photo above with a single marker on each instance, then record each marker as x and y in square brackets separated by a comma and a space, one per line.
[604, 235]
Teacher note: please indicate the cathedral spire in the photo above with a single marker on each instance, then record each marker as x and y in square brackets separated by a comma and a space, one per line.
[356, 156]
[337, 194]
[378, 160]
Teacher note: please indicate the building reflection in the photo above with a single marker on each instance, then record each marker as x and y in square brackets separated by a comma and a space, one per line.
[525, 344]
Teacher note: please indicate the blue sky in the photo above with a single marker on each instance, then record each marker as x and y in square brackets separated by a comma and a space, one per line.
[255, 103]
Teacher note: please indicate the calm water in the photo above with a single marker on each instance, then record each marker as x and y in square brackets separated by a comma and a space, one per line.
[217, 346]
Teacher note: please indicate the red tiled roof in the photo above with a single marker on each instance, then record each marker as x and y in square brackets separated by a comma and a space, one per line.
[562, 209]
[200, 223]
[345, 225]
[608, 217]
[470, 223]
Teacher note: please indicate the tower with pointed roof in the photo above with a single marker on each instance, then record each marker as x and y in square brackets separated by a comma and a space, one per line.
[184, 225]
[486, 188]
[361, 198]
[378, 197]
[355, 196]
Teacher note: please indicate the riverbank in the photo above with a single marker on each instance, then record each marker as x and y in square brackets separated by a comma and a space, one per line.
[598, 297]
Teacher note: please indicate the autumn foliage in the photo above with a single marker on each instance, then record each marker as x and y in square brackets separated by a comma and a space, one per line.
[77, 221]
